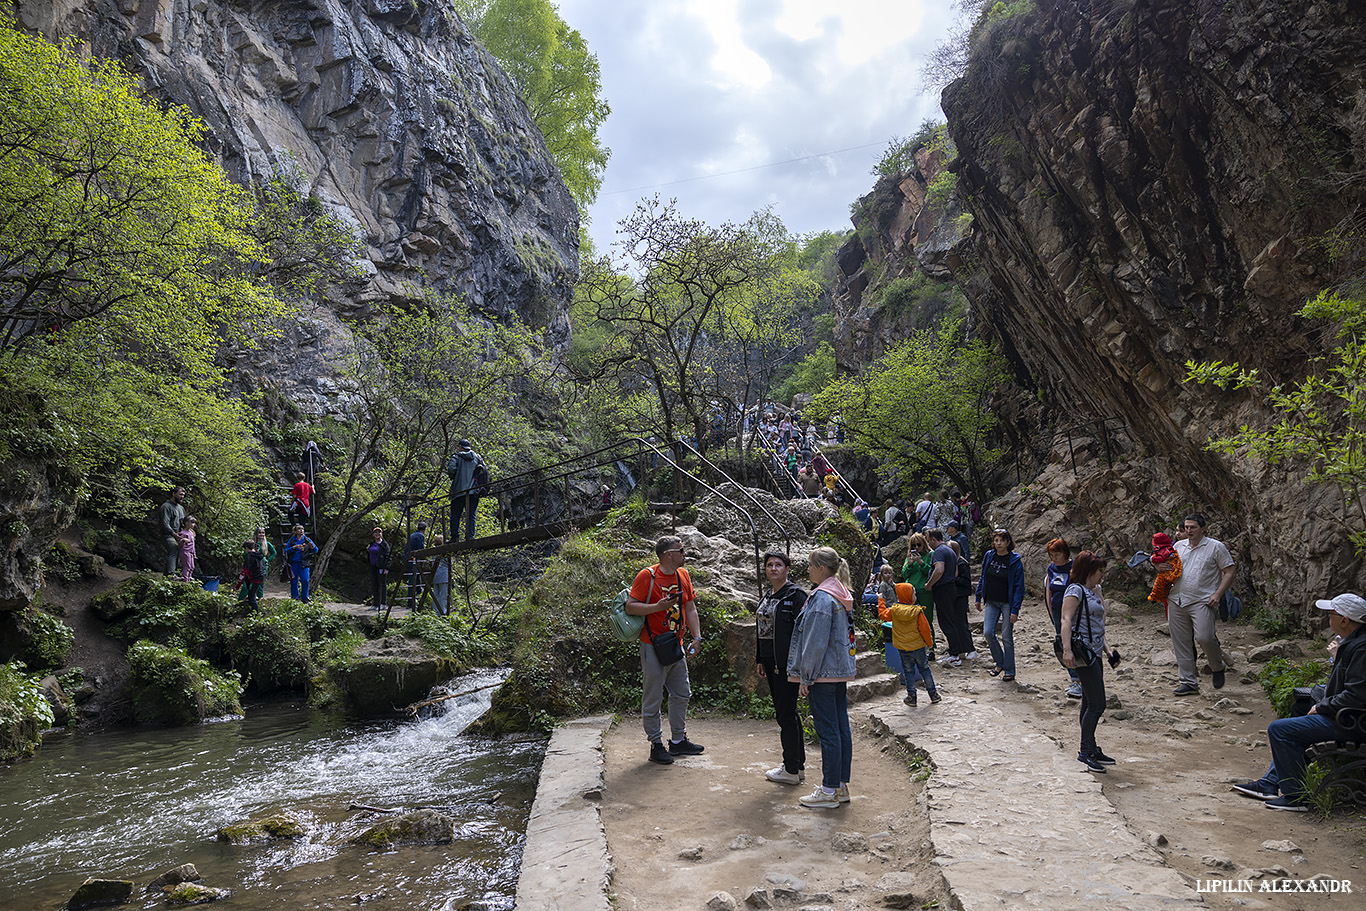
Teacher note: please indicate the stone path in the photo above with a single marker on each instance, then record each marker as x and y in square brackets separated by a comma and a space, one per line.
[1014, 822]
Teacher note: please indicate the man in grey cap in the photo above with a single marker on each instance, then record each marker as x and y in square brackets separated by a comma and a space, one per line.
[1346, 689]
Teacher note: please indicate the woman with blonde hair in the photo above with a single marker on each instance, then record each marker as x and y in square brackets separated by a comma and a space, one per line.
[821, 662]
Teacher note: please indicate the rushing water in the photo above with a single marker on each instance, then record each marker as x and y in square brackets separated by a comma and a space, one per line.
[131, 804]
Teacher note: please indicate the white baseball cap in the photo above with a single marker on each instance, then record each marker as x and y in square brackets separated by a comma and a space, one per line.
[1351, 606]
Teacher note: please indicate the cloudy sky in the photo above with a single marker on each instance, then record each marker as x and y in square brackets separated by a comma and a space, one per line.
[732, 105]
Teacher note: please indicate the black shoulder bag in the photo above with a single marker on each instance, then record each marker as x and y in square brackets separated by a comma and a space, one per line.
[1082, 656]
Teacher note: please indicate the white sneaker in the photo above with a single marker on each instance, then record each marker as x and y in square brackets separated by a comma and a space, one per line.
[842, 793]
[970, 655]
[1074, 690]
[820, 799]
[955, 661]
[783, 776]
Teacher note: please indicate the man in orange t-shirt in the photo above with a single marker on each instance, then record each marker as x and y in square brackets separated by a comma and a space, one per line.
[663, 595]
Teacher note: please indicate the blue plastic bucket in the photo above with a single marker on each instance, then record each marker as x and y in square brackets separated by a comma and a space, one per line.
[211, 584]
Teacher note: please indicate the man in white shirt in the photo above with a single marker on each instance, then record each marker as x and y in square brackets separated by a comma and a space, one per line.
[1193, 605]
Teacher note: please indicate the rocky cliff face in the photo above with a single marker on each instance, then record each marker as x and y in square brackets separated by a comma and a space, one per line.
[405, 127]
[1153, 182]
[891, 223]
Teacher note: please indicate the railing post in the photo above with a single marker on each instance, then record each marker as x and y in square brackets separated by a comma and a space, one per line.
[568, 501]
[536, 497]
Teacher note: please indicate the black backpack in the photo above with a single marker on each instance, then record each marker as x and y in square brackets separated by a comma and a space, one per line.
[481, 478]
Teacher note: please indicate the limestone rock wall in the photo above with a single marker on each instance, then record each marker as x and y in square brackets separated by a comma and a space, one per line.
[406, 128]
[1153, 182]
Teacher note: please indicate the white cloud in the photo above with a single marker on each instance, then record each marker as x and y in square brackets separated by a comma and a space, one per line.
[703, 88]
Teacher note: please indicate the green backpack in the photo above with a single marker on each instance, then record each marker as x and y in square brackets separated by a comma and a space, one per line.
[626, 627]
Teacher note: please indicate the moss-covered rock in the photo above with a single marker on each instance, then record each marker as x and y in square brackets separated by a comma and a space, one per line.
[185, 873]
[165, 611]
[36, 638]
[272, 648]
[388, 674]
[193, 894]
[170, 687]
[423, 827]
[256, 831]
[94, 893]
[24, 712]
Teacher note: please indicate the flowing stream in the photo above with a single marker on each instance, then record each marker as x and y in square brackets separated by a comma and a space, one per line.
[132, 803]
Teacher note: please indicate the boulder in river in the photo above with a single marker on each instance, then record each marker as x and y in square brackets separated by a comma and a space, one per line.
[185, 873]
[422, 827]
[281, 825]
[94, 893]
[192, 894]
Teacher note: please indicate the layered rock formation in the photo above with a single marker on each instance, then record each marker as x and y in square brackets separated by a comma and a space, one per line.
[404, 126]
[1155, 182]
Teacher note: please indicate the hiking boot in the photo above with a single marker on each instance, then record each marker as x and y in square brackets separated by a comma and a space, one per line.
[1293, 804]
[1101, 758]
[935, 698]
[1091, 763]
[1074, 690]
[842, 793]
[1218, 680]
[660, 755]
[1186, 689]
[820, 799]
[910, 700]
[684, 747]
[783, 776]
[1258, 789]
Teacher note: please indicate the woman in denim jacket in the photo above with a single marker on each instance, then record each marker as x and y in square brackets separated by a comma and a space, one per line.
[821, 661]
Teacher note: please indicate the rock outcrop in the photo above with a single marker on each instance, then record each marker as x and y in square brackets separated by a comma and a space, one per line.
[403, 125]
[1159, 182]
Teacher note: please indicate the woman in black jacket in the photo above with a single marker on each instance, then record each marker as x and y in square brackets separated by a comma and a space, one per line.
[775, 619]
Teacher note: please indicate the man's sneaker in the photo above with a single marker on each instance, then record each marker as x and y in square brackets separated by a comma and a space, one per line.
[1074, 690]
[1218, 680]
[955, 661]
[935, 698]
[842, 793]
[1186, 689]
[1258, 789]
[909, 700]
[820, 799]
[1091, 763]
[1293, 804]
[684, 747]
[946, 659]
[1101, 758]
[660, 755]
[783, 776]
[970, 656]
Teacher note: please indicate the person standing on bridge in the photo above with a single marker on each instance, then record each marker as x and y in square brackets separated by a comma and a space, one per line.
[468, 476]
[663, 595]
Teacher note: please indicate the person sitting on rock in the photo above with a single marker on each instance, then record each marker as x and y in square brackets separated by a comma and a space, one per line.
[1346, 689]
[1168, 563]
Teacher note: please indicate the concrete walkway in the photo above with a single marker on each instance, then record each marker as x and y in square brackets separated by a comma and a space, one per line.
[1015, 821]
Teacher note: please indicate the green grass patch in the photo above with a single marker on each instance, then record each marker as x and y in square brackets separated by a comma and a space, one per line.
[1280, 677]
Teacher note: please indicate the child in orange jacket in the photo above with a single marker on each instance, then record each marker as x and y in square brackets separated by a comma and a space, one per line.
[911, 637]
[1168, 563]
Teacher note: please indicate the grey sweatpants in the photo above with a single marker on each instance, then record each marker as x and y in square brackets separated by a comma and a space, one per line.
[656, 678]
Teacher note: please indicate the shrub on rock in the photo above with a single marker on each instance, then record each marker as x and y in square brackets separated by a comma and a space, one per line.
[24, 712]
[170, 687]
[166, 611]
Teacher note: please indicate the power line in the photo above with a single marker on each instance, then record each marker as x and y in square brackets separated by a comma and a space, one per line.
[757, 167]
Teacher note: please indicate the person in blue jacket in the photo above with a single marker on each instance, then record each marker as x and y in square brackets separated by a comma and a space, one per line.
[1002, 587]
[299, 550]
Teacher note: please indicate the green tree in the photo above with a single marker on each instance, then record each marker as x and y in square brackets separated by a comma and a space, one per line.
[558, 78]
[710, 308]
[420, 379]
[1318, 422]
[923, 407]
[109, 208]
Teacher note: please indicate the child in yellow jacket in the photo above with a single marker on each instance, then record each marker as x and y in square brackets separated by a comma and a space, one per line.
[1168, 563]
[911, 637]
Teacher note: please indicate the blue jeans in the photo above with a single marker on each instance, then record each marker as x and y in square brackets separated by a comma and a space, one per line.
[916, 663]
[830, 713]
[298, 582]
[1290, 737]
[997, 614]
[459, 502]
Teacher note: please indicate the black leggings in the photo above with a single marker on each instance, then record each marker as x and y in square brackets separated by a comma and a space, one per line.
[377, 580]
[1092, 680]
[793, 738]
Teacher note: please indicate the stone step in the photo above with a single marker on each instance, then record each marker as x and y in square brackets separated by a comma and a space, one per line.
[870, 664]
[866, 688]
